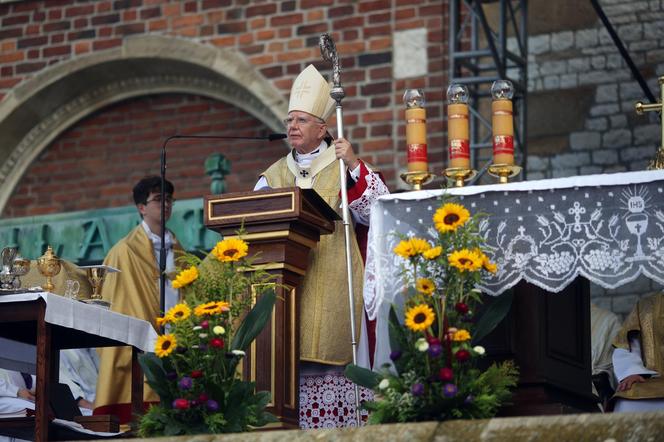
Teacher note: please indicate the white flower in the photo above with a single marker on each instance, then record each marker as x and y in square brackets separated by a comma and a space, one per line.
[384, 384]
[422, 345]
[219, 330]
[197, 327]
[238, 352]
[476, 290]
[203, 335]
[479, 350]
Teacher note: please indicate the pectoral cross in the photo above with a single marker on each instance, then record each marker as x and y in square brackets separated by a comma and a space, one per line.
[658, 161]
[304, 173]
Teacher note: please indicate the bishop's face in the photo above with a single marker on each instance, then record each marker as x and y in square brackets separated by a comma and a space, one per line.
[305, 132]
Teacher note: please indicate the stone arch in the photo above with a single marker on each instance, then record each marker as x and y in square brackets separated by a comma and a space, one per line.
[36, 112]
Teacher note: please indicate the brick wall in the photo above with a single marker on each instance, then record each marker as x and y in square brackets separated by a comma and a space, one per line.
[96, 163]
[279, 38]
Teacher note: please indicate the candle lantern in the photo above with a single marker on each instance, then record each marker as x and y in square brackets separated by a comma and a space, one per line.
[503, 166]
[416, 139]
[458, 135]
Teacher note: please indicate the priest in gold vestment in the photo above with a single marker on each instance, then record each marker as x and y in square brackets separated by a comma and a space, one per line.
[638, 358]
[134, 291]
[325, 338]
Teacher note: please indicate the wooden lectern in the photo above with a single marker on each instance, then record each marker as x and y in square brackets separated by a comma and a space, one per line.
[282, 226]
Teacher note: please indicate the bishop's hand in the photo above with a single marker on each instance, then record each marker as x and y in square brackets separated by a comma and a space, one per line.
[344, 151]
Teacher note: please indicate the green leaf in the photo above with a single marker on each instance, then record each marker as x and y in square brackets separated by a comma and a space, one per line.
[156, 375]
[492, 316]
[255, 321]
[362, 376]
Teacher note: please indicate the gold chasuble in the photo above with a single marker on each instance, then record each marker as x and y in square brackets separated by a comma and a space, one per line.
[647, 320]
[324, 310]
[134, 291]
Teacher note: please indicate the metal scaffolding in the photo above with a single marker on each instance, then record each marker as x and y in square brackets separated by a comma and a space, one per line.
[489, 41]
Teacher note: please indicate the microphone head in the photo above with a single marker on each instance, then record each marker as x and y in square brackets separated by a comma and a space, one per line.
[273, 137]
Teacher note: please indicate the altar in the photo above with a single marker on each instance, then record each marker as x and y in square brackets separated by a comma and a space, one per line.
[547, 237]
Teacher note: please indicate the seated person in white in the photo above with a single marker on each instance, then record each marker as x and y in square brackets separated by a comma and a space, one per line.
[638, 358]
[15, 395]
[79, 369]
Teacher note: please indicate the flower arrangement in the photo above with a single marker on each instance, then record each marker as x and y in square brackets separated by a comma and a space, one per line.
[194, 368]
[435, 375]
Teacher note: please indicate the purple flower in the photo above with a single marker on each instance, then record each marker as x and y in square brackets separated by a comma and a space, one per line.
[185, 383]
[396, 354]
[450, 390]
[171, 375]
[435, 350]
[203, 347]
[469, 399]
[212, 405]
[417, 389]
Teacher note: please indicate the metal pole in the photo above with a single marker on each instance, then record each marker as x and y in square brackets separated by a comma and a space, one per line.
[329, 52]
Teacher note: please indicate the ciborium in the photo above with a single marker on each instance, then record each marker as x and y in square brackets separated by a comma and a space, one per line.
[20, 267]
[48, 265]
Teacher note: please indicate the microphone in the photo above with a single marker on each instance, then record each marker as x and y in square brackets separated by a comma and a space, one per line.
[162, 250]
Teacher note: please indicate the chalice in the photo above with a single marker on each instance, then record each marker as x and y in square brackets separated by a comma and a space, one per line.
[96, 277]
[48, 265]
[20, 267]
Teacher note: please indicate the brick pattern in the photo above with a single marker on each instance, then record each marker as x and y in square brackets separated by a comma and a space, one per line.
[614, 138]
[95, 163]
[279, 38]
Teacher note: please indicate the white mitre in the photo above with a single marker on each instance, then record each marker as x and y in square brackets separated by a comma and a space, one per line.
[311, 94]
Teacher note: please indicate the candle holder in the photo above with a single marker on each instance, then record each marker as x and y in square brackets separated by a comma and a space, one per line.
[417, 179]
[48, 265]
[504, 172]
[459, 175]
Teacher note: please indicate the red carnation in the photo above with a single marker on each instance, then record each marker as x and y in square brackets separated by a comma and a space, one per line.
[181, 404]
[461, 308]
[205, 324]
[462, 355]
[196, 374]
[216, 343]
[202, 398]
[446, 374]
[432, 340]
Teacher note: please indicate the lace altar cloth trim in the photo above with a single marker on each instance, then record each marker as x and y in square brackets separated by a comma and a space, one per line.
[328, 401]
[609, 234]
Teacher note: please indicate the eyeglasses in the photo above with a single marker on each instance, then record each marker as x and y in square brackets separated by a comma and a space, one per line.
[157, 199]
[300, 121]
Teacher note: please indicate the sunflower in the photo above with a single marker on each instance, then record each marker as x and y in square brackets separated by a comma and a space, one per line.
[488, 265]
[419, 317]
[231, 249]
[211, 308]
[404, 249]
[461, 335]
[185, 277]
[165, 345]
[419, 245]
[178, 312]
[163, 321]
[433, 253]
[449, 217]
[425, 285]
[465, 259]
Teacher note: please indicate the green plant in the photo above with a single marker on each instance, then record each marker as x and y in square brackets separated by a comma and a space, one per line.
[434, 353]
[195, 365]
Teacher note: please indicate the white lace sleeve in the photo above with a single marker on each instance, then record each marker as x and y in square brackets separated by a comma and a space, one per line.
[361, 207]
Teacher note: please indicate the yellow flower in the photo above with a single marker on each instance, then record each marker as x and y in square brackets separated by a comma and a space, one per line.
[465, 259]
[185, 277]
[488, 265]
[178, 312]
[211, 308]
[433, 253]
[419, 245]
[419, 317]
[165, 345]
[163, 321]
[449, 217]
[404, 249]
[425, 286]
[461, 335]
[231, 249]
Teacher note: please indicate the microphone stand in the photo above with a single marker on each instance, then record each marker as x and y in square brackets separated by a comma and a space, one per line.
[329, 52]
[162, 235]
